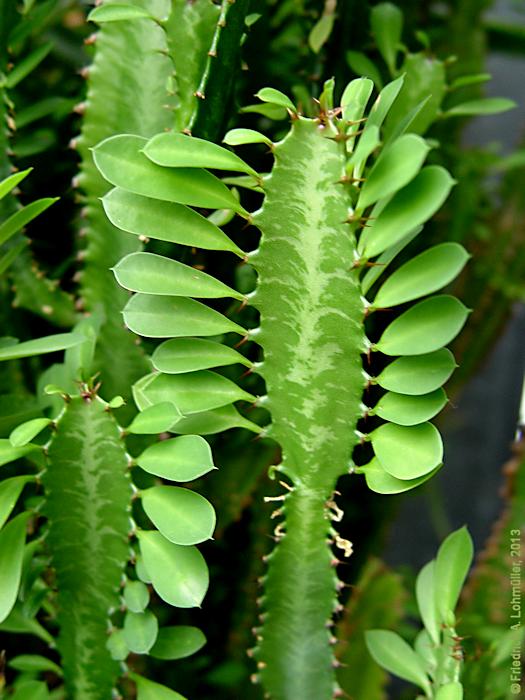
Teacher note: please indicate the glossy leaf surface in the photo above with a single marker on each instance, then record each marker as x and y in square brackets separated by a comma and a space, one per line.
[407, 452]
[410, 410]
[182, 516]
[155, 419]
[177, 642]
[418, 374]
[189, 354]
[182, 458]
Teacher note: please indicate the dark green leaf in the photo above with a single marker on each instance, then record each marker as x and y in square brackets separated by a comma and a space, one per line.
[12, 540]
[10, 490]
[33, 663]
[148, 690]
[362, 65]
[22, 217]
[177, 642]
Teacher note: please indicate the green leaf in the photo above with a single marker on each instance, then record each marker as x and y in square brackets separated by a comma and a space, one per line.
[32, 663]
[384, 260]
[27, 65]
[164, 221]
[12, 254]
[140, 631]
[395, 168]
[116, 645]
[148, 690]
[180, 151]
[426, 600]
[450, 691]
[24, 433]
[31, 690]
[136, 596]
[10, 490]
[320, 32]
[179, 459]
[419, 374]
[485, 106]
[424, 274]
[270, 111]
[354, 100]
[387, 24]
[194, 392]
[366, 145]
[452, 565]
[182, 516]
[407, 452]
[12, 540]
[409, 410]
[155, 274]
[50, 343]
[117, 12]
[425, 327]
[362, 65]
[391, 652]
[215, 421]
[179, 574]
[177, 642]
[380, 481]
[181, 355]
[157, 418]
[408, 208]
[239, 137]
[9, 183]
[275, 97]
[121, 162]
[22, 217]
[174, 317]
[8, 453]
[384, 102]
[473, 79]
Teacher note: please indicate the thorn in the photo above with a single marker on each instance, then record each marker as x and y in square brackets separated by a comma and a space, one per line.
[212, 53]
[84, 72]
[80, 108]
[200, 95]
[91, 39]
[243, 340]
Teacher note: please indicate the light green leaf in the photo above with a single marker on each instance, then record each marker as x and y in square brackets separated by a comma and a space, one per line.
[24, 433]
[395, 168]
[424, 274]
[320, 32]
[386, 21]
[354, 100]
[177, 642]
[148, 690]
[157, 418]
[425, 327]
[366, 145]
[140, 631]
[485, 106]
[22, 217]
[214, 421]
[409, 121]
[239, 137]
[407, 452]
[182, 516]
[391, 652]
[164, 221]
[194, 392]
[121, 162]
[50, 343]
[116, 645]
[409, 410]
[426, 600]
[275, 97]
[452, 565]
[419, 374]
[117, 12]
[10, 490]
[450, 691]
[179, 459]
[383, 103]
[408, 208]
[384, 260]
[9, 183]
[380, 481]
[179, 574]
[360, 64]
[181, 355]
[8, 453]
[32, 663]
[472, 79]
[180, 151]
[174, 317]
[31, 690]
[270, 111]
[12, 541]
[136, 596]
[155, 274]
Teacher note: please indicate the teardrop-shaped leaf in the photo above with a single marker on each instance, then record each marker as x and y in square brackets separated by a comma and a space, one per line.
[10, 490]
[425, 327]
[179, 459]
[408, 208]
[164, 221]
[155, 274]
[148, 690]
[195, 392]
[140, 631]
[136, 596]
[386, 21]
[419, 374]
[452, 565]
[450, 691]
[485, 106]
[365, 67]
[181, 355]
[24, 433]
[275, 97]
[33, 663]
[424, 274]
[384, 260]
[426, 600]
[8, 453]
[117, 12]
[394, 169]
[410, 410]
[12, 540]
[407, 452]
[174, 317]
[40, 346]
[22, 217]
[239, 137]
[157, 418]
[121, 162]
[182, 516]
[9, 183]
[180, 151]
[355, 98]
[179, 574]
[177, 642]
[321, 31]
[380, 481]
[383, 103]
[391, 652]
[116, 645]
[214, 421]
